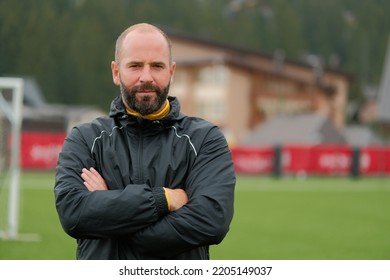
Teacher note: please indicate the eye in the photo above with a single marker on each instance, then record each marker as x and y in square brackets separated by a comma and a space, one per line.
[158, 66]
[134, 65]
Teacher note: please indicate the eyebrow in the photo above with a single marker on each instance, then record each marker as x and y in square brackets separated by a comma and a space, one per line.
[141, 62]
[158, 63]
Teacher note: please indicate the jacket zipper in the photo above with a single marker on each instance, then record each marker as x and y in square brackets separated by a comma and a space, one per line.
[140, 156]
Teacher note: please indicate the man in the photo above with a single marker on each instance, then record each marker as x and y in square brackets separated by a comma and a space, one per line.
[147, 182]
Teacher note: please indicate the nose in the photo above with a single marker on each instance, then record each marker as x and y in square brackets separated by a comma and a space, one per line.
[146, 76]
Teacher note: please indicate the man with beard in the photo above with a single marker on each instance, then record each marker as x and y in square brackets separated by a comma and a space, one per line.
[146, 182]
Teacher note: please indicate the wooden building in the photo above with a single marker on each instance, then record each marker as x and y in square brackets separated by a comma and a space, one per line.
[239, 89]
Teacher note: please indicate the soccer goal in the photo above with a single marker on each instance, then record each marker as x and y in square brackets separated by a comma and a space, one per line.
[11, 103]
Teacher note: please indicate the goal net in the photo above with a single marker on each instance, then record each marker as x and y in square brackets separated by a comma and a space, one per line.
[11, 102]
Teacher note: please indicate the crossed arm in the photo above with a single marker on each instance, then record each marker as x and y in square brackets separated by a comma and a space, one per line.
[93, 181]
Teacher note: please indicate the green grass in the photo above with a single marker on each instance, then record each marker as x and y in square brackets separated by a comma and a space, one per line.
[41, 235]
[317, 218]
[332, 218]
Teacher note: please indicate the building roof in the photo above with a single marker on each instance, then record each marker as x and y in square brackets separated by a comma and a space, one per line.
[383, 112]
[241, 52]
[41, 116]
[308, 129]
[360, 136]
[32, 94]
[237, 61]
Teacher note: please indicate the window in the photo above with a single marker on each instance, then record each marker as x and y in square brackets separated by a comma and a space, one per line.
[213, 74]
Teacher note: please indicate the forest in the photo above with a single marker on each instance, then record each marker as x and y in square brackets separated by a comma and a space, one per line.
[68, 45]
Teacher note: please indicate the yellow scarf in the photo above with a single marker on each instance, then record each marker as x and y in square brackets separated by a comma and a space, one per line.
[154, 116]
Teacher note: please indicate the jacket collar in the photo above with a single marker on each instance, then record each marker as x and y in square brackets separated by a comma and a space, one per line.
[118, 111]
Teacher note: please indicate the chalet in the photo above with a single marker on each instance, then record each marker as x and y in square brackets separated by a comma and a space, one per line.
[239, 89]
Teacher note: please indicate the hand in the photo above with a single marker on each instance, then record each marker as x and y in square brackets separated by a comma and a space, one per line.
[93, 180]
[177, 198]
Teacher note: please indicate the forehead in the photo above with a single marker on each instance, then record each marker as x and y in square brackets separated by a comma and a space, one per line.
[145, 45]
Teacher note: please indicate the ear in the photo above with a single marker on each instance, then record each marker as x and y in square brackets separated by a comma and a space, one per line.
[115, 73]
[172, 70]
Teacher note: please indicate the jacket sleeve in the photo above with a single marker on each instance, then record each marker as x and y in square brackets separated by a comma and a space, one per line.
[100, 214]
[206, 218]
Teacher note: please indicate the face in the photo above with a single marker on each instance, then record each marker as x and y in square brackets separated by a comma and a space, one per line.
[143, 71]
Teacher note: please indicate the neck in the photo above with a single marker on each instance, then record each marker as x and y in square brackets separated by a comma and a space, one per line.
[153, 116]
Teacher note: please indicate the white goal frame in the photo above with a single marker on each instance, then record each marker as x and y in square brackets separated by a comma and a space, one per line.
[14, 113]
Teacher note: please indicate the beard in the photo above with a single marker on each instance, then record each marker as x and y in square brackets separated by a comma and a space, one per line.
[148, 104]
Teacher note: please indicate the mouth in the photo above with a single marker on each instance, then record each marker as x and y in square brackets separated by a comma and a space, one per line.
[146, 92]
[146, 96]
[147, 88]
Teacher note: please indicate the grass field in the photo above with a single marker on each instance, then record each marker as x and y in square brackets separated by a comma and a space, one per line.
[333, 218]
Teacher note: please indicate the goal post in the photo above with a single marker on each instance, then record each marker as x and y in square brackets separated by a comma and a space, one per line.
[11, 108]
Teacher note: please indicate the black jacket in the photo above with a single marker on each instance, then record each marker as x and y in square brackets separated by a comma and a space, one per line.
[137, 157]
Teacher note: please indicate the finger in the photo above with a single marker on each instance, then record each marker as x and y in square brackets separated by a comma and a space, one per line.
[97, 176]
[89, 187]
[94, 180]
[91, 177]
[89, 180]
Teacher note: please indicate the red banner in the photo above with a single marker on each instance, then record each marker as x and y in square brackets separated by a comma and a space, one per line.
[317, 160]
[375, 160]
[253, 160]
[40, 149]
[320, 160]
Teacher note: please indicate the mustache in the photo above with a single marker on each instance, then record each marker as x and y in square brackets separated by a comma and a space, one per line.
[146, 87]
